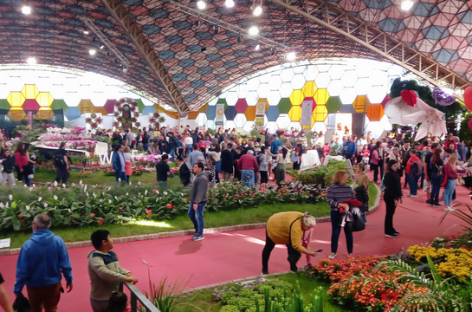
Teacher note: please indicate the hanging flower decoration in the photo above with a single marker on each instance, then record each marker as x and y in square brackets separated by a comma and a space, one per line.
[126, 113]
[409, 97]
[432, 121]
[93, 121]
[156, 115]
[443, 97]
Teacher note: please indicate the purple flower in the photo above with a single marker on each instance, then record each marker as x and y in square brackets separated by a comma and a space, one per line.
[443, 97]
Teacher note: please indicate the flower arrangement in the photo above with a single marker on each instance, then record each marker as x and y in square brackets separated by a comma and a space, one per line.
[93, 121]
[126, 118]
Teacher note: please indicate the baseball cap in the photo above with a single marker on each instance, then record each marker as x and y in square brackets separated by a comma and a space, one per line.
[230, 145]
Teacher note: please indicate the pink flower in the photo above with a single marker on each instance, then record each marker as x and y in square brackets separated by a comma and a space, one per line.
[148, 211]
[169, 206]
[92, 215]
[100, 222]
[20, 216]
[121, 208]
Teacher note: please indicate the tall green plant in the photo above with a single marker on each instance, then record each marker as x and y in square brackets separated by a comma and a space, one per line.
[164, 295]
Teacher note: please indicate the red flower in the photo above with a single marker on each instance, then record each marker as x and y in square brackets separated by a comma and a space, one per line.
[121, 108]
[129, 100]
[132, 108]
[169, 206]
[120, 118]
[100, 222]
[121, 208]
[134, 119]
[20, 216]
[409, 97]
[156, 115]
[92, 215]
[71, 218]
[89, 119]
[135, 104]
[138, 124]
[122, 100]
[126, 114]
[117, 104]
[99, 119]
[117, 114]
[22, 221]
[94, 125]
[136, 114]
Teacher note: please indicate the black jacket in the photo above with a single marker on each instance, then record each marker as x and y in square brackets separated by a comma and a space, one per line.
[164, 146]
[393, 188]
[226, 161]
[184, 174]
[172, 143]
[8, 163]
[362, 195]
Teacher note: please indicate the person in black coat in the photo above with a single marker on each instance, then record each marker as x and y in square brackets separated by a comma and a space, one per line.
[172, 145]
[392, 196]
[185, 171]
[227, 162]
[163, 145]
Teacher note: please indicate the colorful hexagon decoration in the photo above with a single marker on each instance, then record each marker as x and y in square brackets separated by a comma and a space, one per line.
[30, 105]
[44, 99]
[203, 108]
[250, 113]
[375, 112]
[30, 92]
[140, 105]
[272, 113]
[295, 113]
[44, 114]
[264, 101]
[297, 97]
[73, 113]
[313, 103]
[4, 105]
[159, 109]
[230, 113]
[321, 96]
[149, 110]
[109, 106]
[222, 101]
[101, 110]
[284, 106]
[211, 113]
[320, 113]
[334, 104]
[309, 89]
[60, 104]
[193, 115]
[16, 115]
[86, 106]
[241, 106]
[16, 100]
[361, 103]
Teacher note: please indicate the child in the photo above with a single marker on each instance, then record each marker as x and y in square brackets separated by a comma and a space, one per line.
[104, 271]
[117, 302]
[8, 162]
[32, 164]
[365, 153]
[306, 239]
[326, 148]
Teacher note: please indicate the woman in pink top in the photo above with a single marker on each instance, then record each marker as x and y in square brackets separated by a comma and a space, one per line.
[374, 162]
[450, 177]
[21, 163]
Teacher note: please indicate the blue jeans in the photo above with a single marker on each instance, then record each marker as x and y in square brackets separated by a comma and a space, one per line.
[448, 191]
[172, 152]
[189, 149]
[436, 182]
[413, 182]
[120, 175]
[146, 147]
[163, 184]
[336, 230]
[197, 218]
[127, 179]
[247, 176]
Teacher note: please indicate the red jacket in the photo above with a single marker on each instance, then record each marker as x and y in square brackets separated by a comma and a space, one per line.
[248, 162]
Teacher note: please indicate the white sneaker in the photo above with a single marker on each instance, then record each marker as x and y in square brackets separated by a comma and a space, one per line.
[450, 208]
[332, 255]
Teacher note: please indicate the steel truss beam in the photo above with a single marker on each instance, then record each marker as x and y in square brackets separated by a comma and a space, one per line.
[339, 21]
[120, 13]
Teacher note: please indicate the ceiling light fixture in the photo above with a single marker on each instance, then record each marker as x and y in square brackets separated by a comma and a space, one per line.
[253, 31]
[86, 32]
[291, 56]
[31, 60]
[216, 29]
[101, 47]
[201, 4]
[257, 11]
[229, 3]
[92, 51]
[257, 47]
[406, 5]
[26, 10]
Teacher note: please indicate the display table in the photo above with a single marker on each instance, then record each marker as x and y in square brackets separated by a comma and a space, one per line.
[328, 157]
[310, 159]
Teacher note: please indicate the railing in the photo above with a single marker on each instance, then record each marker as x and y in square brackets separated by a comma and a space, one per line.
[136, 296]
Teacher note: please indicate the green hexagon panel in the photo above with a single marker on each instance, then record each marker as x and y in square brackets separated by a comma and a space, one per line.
[140, 105]
[59, 104]
[4, 104]
[223, 101]
[284, 106]
[334, 104]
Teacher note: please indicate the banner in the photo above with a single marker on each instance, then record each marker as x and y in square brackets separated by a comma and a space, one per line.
[220, 115]
[307, 109]
[260, 112]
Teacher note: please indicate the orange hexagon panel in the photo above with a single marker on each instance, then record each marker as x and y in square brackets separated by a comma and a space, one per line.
[86, 106]
[375, 112]
[295, 113]
[16, 115]
[361, 103]
[250, 113]
[320, 113]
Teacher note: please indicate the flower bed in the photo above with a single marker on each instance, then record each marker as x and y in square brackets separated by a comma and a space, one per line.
[322, 175]
[82, 205]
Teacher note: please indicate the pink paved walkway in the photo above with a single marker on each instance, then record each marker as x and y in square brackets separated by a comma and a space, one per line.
[226, 256]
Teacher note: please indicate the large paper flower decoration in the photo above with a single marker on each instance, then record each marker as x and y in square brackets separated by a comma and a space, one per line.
[431, 119]
[443, 97]
[409, 97]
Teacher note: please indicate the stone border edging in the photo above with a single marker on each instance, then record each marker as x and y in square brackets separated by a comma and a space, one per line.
[127, 239]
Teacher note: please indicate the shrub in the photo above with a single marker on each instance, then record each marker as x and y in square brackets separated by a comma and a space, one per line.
[322, 176]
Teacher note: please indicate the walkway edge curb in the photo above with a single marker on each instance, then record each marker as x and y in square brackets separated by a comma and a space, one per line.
[232, 228]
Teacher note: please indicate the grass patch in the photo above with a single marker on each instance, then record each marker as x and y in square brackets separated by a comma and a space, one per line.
[203, 300]
[94, 178]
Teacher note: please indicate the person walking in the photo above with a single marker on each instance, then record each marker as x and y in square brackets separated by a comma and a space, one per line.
[198, 200]
[8, 163]
[146, 142]
[267, 138]
[21, 163]
[185, 171]
[281, 160]
[247, 164]
[338, 193]
[450, 177]
[193, 156]
[374, 163]
[413, 169]
[163, 171]
[42, 260]
[188, 143]
[437, 174]
[118, 163]
[62, 163]
[172, 145]
[128, 163]
[287, 228]
[405, 158]
[227, 162]
[263, 165]
[392, 196]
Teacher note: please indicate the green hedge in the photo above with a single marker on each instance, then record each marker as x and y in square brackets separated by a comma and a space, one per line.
[322, 176]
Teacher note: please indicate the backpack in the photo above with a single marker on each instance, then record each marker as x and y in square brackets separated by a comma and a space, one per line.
[59, 160]
[415, 169]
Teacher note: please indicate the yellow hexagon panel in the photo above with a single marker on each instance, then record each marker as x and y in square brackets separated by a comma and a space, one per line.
[17, 115]
[320, 113]
[296, 98]
[265, 102]
[30, 92]
[312, 123]
[321, 96]
[375, 112]
[159, 109]
[361, 103]
[44, 113]
[204, 108]
[16, 100]
[44, 99]
[86, 106]
[309, 89]
[100, 110]
[295, 113]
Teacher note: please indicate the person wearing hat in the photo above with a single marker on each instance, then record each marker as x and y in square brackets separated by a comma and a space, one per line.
[287, 228]
[394, 155]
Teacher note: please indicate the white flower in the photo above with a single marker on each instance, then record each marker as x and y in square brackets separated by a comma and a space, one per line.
[145, 192]
[116, 198]
[2, 205]
[27, 207]
[70, 210]
[94, 195]
[73, 184]
[130, 183]
[109, 201]
[101, 200]
[34, 185]
[157, 192]
[25, 185]
[39, 198]
[30, 189]
[55, 183]
[45, 205]
[85, 188]
[182, 194]
[139, 183]
[127, 194]
[80, 182]
[49, 188]
[87, 194]
[10, 197]
[165, 193]
[63, 185]
[6, 206]
[55, 197]
[119, 179]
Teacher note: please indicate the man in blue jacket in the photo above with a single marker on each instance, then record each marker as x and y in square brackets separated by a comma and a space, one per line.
[350, 149]
[41, 261]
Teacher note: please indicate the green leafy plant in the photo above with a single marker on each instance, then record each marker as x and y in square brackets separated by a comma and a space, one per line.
[322, 176]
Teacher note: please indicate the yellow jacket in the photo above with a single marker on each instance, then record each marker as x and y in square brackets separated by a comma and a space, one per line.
[278, 227]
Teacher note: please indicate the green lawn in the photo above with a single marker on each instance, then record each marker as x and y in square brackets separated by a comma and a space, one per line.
[202, 301]
[97, 177]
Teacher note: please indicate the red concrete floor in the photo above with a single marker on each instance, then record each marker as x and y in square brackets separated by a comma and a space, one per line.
[226, 256]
